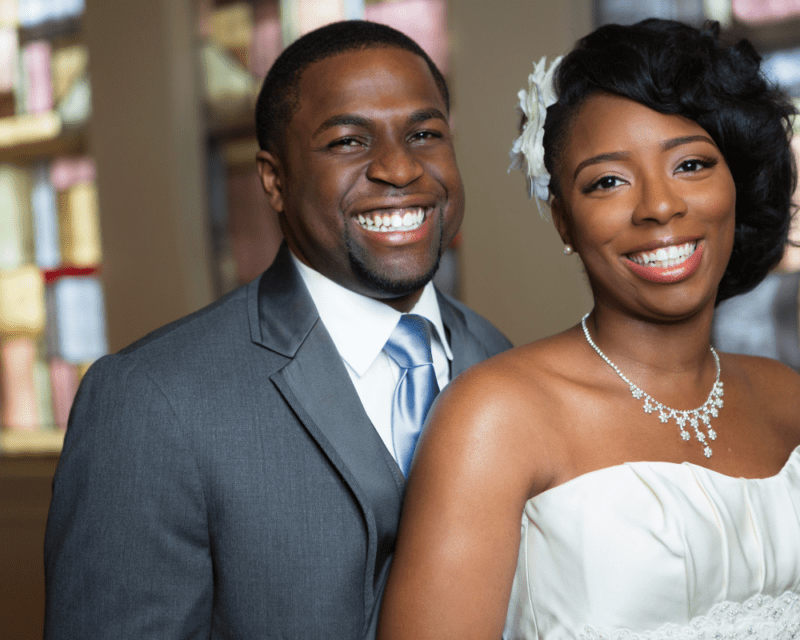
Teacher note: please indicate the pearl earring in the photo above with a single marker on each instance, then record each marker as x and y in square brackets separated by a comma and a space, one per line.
[568, 250]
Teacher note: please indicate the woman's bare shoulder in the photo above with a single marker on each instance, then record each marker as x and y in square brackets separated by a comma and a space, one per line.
[772, 385]
[504, 412]
[521, 377]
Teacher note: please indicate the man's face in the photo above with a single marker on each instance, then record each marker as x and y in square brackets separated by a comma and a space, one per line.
[367, 186]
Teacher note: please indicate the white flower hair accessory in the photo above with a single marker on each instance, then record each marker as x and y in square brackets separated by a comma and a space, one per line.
[527, 152]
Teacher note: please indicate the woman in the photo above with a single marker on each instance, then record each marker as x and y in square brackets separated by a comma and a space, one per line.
[658, 482]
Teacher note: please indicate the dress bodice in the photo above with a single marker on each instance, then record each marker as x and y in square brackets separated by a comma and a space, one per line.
[626, 550]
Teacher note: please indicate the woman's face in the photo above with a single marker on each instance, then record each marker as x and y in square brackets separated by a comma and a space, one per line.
[648, 202]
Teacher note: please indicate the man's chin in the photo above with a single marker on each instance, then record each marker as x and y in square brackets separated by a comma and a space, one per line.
[385, 286]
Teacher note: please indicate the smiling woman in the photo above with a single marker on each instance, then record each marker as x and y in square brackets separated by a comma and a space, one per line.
[639, 185]
[670, 176]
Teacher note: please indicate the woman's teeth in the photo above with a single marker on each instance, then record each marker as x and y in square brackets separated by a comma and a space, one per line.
[664, 257]
[397, 220]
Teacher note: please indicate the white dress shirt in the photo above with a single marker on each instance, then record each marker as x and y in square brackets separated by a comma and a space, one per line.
[359, 327]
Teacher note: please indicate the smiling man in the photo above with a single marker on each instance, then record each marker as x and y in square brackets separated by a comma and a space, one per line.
[240, 472]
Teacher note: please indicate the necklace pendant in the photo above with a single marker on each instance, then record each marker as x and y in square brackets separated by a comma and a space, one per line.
[694, 417]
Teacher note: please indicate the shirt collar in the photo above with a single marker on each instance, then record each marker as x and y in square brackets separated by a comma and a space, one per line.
[360, 326]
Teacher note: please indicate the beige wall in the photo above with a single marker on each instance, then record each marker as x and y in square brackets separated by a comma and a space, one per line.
[514, 269]
[148, 142]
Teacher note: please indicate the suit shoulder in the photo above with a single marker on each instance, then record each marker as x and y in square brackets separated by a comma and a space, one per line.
[211, 344]
[198, 324]
[481, 329]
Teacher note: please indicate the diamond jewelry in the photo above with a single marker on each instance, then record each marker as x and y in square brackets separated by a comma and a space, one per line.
[527, 152]
[694, 417]
[568, 250]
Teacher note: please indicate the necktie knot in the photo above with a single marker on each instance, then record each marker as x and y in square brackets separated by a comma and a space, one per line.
[410, 347]
[410, 343]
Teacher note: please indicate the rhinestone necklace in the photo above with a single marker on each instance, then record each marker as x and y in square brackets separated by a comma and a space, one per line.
[694, 417]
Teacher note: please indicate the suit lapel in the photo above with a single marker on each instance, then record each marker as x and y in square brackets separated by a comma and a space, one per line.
[466, 350]
[316, 384]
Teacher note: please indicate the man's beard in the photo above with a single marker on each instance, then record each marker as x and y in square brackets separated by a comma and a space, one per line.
[383, 285]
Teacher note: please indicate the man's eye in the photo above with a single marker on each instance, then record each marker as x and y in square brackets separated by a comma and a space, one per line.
[425, 135]
[345, 142]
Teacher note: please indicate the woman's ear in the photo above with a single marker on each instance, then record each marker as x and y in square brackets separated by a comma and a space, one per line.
[269, 170]
[560, 220]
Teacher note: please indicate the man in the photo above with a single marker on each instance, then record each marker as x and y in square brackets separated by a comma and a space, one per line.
[239, 473]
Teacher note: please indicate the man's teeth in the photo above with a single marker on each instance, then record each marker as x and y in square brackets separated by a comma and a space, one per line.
[664, 257]
[397, 220]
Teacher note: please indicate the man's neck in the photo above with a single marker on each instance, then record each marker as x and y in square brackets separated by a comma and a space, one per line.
[403, 304]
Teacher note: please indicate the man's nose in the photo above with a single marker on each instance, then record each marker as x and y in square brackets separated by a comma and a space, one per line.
[394, 163]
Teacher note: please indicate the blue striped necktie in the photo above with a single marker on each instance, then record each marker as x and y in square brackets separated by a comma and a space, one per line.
[410, 347]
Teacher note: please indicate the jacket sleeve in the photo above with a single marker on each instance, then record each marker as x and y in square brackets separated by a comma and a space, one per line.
[127, 551]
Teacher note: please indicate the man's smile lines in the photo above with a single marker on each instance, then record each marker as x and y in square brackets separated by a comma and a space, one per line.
[664, 257]
[393, 220]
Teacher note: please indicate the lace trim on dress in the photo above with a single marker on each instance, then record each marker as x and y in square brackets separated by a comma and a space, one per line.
[758, 618]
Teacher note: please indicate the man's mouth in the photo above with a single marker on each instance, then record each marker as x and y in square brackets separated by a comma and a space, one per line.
[664, 257]
[392, 220]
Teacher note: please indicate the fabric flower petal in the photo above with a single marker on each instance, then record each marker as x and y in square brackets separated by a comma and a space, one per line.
[527, 151]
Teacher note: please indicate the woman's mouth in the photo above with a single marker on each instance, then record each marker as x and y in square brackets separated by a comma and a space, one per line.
[388, 221]
[664, 257]
[666, 265]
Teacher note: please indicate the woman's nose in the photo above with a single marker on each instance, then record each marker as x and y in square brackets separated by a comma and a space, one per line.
[659, 201]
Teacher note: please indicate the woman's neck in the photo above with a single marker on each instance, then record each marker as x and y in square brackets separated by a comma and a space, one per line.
[651, 349]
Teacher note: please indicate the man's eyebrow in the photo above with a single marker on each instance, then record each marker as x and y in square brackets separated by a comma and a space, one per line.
[426, 114]
[353, 120]
[344, 119]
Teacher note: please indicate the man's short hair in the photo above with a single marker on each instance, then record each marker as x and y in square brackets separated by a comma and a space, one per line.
[279, 95]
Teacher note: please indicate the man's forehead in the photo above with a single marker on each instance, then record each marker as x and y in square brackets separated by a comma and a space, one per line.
[368, 76]
[351, 60]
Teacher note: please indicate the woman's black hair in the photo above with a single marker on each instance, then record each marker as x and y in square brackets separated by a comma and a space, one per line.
[673, 68]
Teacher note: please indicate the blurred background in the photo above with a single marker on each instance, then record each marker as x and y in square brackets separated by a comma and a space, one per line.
[129, 196]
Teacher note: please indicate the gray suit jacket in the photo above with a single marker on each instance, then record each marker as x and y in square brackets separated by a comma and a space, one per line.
[220, 478]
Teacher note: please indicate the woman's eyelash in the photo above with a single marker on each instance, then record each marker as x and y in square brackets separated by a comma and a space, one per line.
[609, 182]
[703, 163]
[598, 184]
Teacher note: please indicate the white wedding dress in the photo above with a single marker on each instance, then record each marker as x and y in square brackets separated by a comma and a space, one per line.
[663, 551]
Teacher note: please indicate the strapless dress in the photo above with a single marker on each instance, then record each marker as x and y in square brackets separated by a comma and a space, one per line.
[660, 551]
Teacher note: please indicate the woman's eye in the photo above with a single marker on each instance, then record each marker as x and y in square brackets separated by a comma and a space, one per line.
[695, 164]
[604, 183]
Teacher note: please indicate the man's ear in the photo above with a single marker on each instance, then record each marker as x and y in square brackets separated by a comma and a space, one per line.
[269, 170]
[559, 216]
